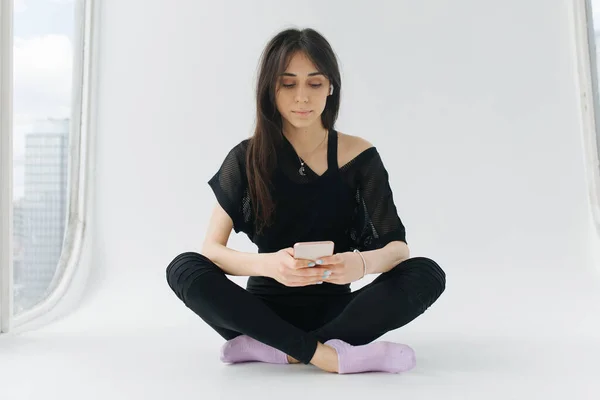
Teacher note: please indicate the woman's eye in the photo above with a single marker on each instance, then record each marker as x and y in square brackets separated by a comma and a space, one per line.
[314, 86]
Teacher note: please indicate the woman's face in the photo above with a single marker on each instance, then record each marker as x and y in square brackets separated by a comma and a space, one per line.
[301, 88]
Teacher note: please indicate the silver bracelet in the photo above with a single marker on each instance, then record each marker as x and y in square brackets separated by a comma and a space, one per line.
[364, 263]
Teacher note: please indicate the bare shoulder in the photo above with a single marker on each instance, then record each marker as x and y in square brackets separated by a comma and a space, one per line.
[350, 146]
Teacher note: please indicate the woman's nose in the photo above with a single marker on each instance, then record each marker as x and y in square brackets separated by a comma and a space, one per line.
[301, 95]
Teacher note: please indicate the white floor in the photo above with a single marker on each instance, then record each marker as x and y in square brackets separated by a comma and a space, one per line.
[488, 337]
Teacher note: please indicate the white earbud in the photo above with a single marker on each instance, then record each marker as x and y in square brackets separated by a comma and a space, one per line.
[331, 89]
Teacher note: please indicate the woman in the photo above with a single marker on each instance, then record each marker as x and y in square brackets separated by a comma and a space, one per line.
[298, 179]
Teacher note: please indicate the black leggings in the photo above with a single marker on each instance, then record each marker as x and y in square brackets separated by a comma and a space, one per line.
[294, 324]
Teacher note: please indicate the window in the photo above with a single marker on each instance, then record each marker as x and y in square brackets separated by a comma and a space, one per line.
[594, 48]
[587, 34]
[50, 42]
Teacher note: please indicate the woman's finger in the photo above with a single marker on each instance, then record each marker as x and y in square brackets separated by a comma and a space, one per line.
[330, 260]
[300, 264]
[308, 272]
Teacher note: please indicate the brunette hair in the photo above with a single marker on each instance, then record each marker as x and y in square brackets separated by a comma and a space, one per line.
[261, 155]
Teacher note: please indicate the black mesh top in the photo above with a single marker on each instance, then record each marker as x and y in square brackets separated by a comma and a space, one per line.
[351, 205]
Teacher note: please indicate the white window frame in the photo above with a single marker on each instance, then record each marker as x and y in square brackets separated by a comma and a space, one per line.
[85, 55]
[585, 48]
[6, 163]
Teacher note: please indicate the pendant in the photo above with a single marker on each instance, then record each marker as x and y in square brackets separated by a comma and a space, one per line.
[301, 170]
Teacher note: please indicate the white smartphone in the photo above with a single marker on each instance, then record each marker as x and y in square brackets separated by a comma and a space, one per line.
[313, 250]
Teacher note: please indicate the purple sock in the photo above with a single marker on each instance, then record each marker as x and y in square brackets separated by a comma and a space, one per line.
[376, 356]
[244, 348]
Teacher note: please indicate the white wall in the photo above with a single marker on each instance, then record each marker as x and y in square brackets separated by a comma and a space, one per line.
[472, 104]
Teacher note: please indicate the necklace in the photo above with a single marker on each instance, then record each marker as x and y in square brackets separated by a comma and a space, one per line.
[301, 169]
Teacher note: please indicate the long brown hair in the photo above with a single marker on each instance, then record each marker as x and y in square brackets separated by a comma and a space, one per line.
[261, 158]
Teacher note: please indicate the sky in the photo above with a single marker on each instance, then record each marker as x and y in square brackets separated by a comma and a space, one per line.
[43, 44]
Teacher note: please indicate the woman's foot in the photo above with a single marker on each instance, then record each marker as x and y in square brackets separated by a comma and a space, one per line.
[292, 360]
[244, 348]
[325, 358]
[376, 356]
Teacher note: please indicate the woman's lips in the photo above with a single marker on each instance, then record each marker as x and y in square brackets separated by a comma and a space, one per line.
[303, 114]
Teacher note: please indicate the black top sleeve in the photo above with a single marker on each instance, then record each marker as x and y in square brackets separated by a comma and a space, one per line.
[229, 185]
[377, 221]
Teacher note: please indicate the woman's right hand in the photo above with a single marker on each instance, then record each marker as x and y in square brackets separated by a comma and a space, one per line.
[285, 269]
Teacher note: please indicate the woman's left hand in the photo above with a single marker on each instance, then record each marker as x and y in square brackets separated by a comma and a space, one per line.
[345, 267]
